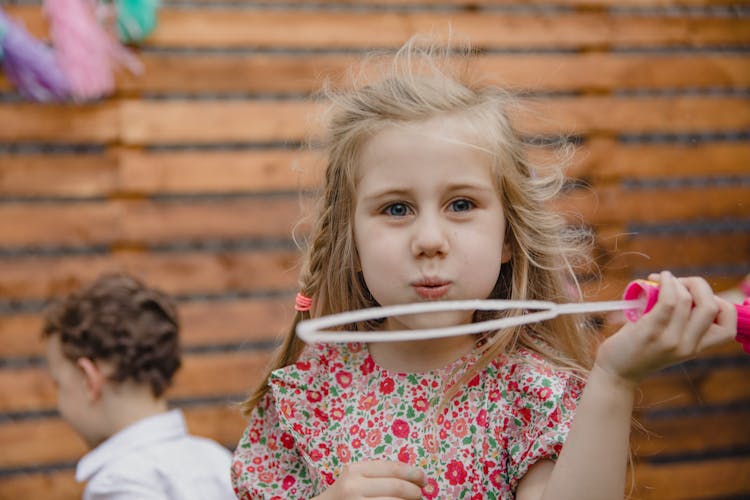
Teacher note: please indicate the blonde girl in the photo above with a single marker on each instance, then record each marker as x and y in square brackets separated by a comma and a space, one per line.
[429, 195]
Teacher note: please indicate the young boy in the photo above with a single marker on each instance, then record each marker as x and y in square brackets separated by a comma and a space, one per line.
[112, 351]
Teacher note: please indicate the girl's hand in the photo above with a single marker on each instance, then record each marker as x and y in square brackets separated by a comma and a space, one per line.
[686, 319]
[377, 479]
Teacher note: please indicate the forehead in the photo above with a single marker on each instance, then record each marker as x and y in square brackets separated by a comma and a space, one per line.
[440, 145]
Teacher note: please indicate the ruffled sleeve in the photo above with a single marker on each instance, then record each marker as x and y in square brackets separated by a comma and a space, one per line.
[541, 404]
[267, 463]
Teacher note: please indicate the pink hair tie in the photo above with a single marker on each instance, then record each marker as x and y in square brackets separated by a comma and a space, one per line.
[302, 303]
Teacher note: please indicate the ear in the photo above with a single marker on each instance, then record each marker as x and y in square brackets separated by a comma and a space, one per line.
[94, 377]
[507, 252]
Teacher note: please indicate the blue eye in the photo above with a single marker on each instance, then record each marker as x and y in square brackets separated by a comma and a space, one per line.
[397, 210]
[461, 205]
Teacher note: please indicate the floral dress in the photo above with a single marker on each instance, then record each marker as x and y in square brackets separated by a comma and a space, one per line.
[337, 406]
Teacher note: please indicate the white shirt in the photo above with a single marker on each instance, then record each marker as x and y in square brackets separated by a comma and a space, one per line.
[156, 458]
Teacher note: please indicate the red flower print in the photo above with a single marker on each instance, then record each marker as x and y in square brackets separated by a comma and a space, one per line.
[314, 396]
[265, 477]
[367, 401]
[253, 436]
[367, 366]
[459, 428]
[496, 478]
[328, 477]
[525, 414]
[337, 413]
[302, 365]
[456, 474]
[287, 441]
[373, 438]
[344, 378]
[474, 382]
[407, 455]
[237, 468]
[387, 385]
[482, 418]
[555, 416]
[420, 403]
[288, 482]
[287, 408]
[430, 489]
[271, 442]
[430, 443]
[545, 393]
[494, 395]
[342, 451]
[400, 428]
[320, 414]
[316, 455]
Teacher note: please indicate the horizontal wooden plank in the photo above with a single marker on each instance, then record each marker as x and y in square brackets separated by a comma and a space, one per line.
[132, 171]
[693, 480]
[473, 4]
[367, 29]
[29, 388]
[203, 324]
[57, 485]
[134, 122]
[621, 250]
[138, 222]
[233, 373]
[691, 434]
[244, 271]
[280, 73]
[295, 74]
[50, 440]
[176, 273]
[615, 204]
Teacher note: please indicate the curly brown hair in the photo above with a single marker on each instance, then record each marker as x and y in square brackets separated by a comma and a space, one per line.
[120, 320]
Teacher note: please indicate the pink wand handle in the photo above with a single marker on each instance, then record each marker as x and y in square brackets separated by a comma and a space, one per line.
[647, 293]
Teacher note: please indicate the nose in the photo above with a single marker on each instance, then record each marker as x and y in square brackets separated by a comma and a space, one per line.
[430, 237]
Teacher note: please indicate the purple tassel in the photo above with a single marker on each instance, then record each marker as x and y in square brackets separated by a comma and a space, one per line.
[30, 65]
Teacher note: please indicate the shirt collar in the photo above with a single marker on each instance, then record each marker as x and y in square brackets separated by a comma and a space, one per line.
[146, 432]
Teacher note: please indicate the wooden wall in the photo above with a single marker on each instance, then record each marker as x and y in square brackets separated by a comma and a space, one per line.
[189, 176]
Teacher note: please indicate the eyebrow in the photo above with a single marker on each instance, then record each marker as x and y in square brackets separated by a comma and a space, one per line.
[398, 192]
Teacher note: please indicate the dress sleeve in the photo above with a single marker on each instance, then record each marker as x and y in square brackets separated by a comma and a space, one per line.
[266, 463]
[542, 407]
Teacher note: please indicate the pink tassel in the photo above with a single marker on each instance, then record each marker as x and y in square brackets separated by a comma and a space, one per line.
[87, 53]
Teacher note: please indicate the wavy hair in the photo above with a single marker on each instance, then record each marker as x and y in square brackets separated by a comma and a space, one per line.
[422, 81]
[120, 320]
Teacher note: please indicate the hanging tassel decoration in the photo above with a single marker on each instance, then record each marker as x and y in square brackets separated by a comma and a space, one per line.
[86, 52]
[29, 64]
[136, 19]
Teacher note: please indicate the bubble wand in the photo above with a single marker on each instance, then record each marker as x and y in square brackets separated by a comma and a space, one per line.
[639, 298]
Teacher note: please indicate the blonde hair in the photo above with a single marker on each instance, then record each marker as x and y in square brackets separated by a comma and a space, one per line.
[424, 81]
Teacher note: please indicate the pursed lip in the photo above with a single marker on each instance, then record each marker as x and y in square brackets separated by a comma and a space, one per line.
[431, 288]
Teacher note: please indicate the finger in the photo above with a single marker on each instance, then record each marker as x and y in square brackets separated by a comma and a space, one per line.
[724, 327]
[390, 487]
[669, 308]
[388, 468]
[703, 314]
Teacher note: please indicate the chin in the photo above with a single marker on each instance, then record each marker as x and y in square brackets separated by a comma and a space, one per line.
[441, 319]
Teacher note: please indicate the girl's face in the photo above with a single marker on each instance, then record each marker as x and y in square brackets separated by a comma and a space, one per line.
[428, 222]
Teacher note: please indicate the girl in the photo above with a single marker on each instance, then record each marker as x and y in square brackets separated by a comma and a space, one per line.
[429, 196]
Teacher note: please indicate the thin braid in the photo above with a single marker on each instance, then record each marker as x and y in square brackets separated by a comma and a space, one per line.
[292, 346]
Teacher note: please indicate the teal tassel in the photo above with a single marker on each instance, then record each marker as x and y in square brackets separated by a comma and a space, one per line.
[136, 19]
